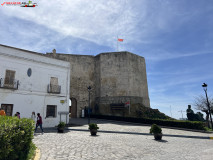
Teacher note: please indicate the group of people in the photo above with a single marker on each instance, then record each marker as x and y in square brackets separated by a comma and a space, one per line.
[33, 117]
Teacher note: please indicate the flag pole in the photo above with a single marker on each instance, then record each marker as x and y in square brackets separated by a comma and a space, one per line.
[117, 43]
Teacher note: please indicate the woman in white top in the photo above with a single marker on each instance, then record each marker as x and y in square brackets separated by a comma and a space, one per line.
[33, 116]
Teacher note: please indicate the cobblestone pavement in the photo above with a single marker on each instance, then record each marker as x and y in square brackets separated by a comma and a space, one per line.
[125, 142]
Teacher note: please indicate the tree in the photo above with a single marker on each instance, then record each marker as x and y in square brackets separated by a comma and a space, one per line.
[201, 104]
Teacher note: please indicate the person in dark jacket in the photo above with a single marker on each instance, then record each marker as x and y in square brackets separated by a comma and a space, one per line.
[18, 115]
[39, 122]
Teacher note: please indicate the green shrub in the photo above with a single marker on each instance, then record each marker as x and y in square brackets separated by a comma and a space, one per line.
[61, 125]
[162, 122]
[155, 129]
[16, 137]
[32, 152]
[140, 111]
[93, 126]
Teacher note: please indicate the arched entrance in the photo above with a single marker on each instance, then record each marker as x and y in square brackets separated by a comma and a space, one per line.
[73, 108]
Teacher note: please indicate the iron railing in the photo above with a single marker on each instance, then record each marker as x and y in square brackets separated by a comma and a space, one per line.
[9, 83]
[56, 89]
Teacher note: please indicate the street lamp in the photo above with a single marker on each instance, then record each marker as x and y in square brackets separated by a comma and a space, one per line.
[89, 89]
[205, 89]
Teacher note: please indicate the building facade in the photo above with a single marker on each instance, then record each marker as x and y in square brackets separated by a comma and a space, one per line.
[31, 82]
[116, 79]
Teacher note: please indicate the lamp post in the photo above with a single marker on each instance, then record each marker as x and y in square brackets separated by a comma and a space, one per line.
[89, 89]
[205, 89]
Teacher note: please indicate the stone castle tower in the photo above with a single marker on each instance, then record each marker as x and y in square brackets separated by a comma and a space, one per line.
[115, 78]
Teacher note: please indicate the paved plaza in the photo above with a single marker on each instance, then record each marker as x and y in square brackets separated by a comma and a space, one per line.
[122, 141]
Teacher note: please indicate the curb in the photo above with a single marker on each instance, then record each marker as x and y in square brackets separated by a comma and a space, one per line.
[37, 154]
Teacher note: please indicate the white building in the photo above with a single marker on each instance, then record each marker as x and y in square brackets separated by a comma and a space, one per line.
[31, 82]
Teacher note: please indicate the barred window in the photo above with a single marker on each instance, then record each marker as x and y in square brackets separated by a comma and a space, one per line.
[51, 111]
[8, 108]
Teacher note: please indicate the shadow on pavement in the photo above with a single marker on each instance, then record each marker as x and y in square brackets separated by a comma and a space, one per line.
[163, 141]
[50, 130]
[136, 133]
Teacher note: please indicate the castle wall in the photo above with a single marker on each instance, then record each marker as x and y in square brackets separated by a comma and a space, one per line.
[121, 78]
[115, 77]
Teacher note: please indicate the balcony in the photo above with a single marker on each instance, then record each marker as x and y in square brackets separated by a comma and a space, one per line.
[9, 83]
[56, 89]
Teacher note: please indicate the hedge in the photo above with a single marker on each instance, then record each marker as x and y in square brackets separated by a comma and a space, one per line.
[171, 123]
[15, 137]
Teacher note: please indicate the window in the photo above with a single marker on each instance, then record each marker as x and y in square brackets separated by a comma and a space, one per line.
[9, 77]
[54, 84]
[54, 87]
[53, 81]
[8, 108]
[29, 72]
[51, 111]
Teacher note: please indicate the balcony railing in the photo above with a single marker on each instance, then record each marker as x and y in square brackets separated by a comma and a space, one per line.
[9, 83]
[56, 89]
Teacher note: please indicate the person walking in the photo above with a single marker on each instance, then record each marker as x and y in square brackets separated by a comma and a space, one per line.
[39, 122]
[18, 115]
[33, 116]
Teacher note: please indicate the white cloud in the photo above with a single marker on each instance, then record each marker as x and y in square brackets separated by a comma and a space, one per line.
[100, 21]
[97, 21]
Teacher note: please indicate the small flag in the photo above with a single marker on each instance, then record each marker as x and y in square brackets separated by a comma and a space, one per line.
[127, 104]
[120, 40]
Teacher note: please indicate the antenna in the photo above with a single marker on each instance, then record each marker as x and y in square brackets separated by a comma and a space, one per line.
[182, 112]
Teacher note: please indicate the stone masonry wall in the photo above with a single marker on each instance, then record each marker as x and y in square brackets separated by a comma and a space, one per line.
[121, 78]
[115, 77]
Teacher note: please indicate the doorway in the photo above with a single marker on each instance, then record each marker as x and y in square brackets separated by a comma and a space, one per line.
[73, 108]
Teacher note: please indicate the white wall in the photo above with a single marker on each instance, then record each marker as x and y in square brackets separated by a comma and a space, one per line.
[32, 92]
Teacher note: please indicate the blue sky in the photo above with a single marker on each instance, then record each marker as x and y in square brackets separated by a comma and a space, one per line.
[175, 38]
